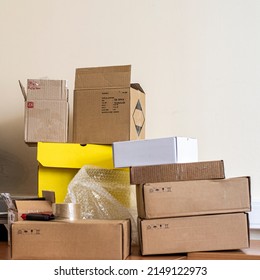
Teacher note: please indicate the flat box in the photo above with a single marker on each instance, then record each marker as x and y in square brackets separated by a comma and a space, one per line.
[107, 107]
[202, 170]
[77, 240]
[46, 111]
[58, 163]
[196, 233]
[189, 198]
[155, 151]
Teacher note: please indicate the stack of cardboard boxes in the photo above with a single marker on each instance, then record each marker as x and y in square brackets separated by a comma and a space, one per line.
[183, 205]
[190, 207]
[106, 108]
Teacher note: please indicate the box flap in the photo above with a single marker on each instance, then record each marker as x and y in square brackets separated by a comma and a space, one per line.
[69, 155]
[38, 89]
[137, 86]
[49, 196]
[32, 206]
[103, 77]
[23, 91]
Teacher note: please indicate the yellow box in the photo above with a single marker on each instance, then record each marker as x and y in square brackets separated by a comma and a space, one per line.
[59, 163]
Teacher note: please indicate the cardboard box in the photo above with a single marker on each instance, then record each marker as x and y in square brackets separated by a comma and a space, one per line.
[189, 198]
[203, 170]
[77, 240]
[155, 151]
[196, 233]
[107, 107]
[17, 207]
[46, 111]
[58, 163]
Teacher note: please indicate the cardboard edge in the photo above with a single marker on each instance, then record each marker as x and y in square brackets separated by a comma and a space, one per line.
[23, 90]
[140, 200]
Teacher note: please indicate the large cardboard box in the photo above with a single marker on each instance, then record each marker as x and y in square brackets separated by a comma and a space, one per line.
[189, 198]
[58, 163]
[202, 170]
[77, 240]
[155, 151]
[107, 107]
[196, 233]
[46, 111]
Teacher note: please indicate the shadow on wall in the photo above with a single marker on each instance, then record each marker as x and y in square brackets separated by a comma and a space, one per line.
[18, 163]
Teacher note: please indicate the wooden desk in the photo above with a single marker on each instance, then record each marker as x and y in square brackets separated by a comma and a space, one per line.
[251, 253]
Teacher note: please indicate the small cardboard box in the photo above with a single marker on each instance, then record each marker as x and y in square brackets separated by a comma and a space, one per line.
[189, 198]
[107, 107]
[46, 111]
[202, 170]
[58, 163]
[155, 151]
[17, 207]
[77, 240]
[196, 233]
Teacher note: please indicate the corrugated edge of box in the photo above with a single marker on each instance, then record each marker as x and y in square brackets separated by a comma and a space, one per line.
[177, 172]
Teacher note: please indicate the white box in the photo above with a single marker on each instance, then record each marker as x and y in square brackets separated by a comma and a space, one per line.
[155, 151]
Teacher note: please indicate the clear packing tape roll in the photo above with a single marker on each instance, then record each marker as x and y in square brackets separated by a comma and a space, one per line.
[70, 211]
[104, 194]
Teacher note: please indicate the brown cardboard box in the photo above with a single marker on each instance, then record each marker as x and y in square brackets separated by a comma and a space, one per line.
[177, 172]
[37, 205]
[106, 107]
[196, 233]
[189, 198]
[17, 207]
[78, 240]
[46, 111]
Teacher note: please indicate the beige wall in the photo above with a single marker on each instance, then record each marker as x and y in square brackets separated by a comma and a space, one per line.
[198, 61]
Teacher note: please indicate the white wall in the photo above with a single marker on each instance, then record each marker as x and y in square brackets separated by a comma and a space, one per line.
[198, 61]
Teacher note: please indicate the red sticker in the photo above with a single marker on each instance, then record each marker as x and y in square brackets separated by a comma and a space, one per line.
[30, 104]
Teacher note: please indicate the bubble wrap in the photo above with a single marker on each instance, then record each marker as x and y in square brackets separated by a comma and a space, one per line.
[104, 194]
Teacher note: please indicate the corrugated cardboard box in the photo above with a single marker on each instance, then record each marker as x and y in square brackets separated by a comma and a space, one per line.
[189, 198]
[60, 162]
[17, 207]
[203, 170]
[77, 240]
[107, 107]
[196, 233]
[155, 151]
[46, 111]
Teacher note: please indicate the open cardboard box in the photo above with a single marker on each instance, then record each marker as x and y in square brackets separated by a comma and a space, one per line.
[46, 111]
[58, 163]
[106, 106]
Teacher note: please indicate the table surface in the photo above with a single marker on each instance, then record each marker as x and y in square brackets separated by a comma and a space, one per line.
[251, 253]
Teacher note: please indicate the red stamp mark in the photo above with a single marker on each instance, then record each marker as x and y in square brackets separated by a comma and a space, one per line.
[30, 104]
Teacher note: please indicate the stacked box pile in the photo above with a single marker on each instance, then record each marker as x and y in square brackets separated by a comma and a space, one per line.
[107, 107]
[191, 207]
